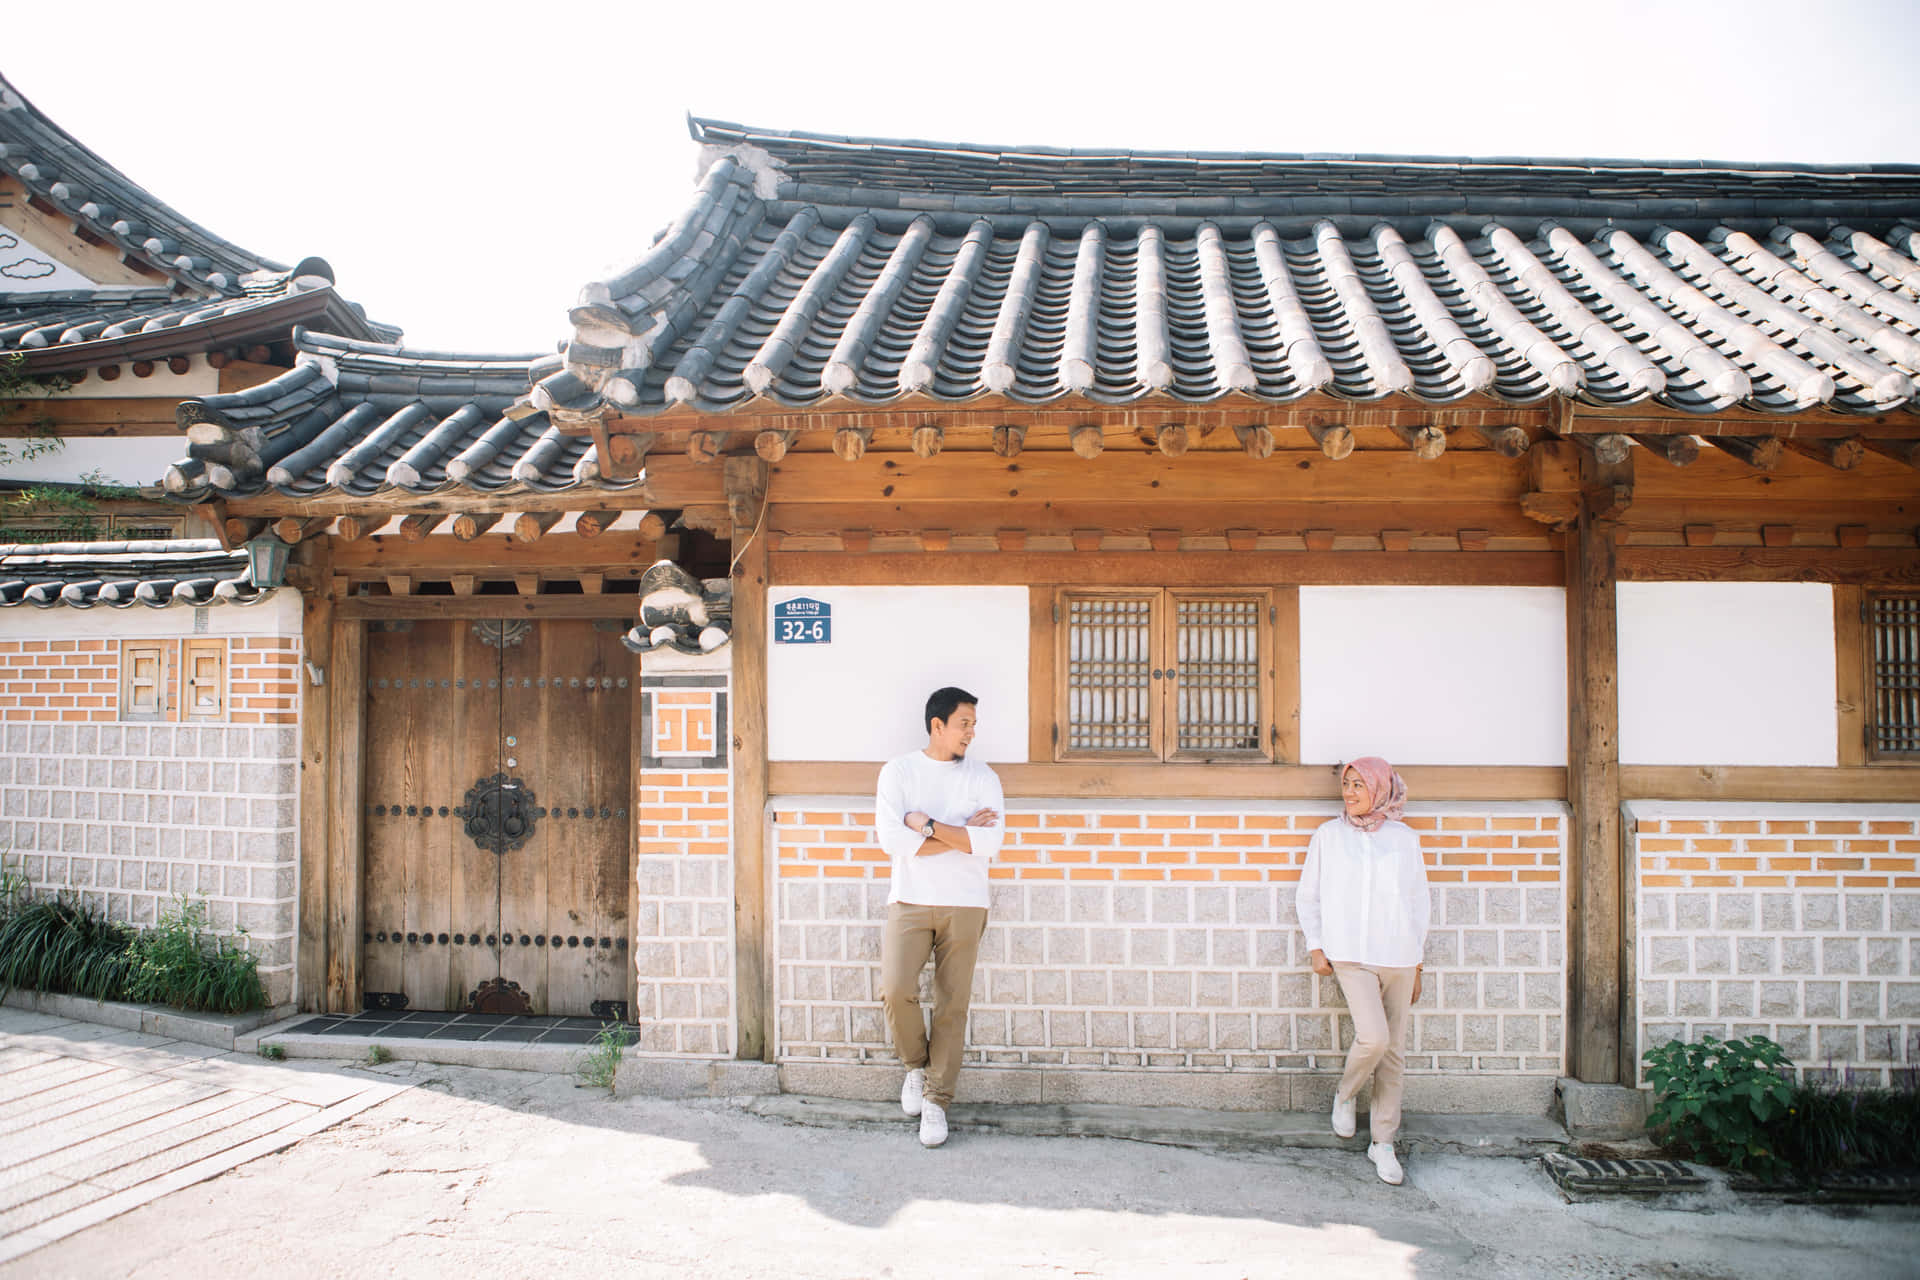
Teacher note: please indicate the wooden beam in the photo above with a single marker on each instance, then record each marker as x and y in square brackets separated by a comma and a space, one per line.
[1762, 453]
[1842, 453]
[1087, 440]
[346, 680]
[591, 524]
[1678, 449]
[1256, 440]
[653, 526]
[1187, 569]
[1859, 566]
[415, 528]
[1903, 451]
[1850, 673]
[704, 446]
[746, 486]
[626, 454]
[1596, 1039]
[1508, 442]
[1873, 784]
[316, 757]
[531, 526]
[467, 526]
[462, 608]
[1426, 441]
[1043, 779]
[1172, 440]
[1009, 439]
[773, 445]
[850, 443]
[291, 529]
[354, 528]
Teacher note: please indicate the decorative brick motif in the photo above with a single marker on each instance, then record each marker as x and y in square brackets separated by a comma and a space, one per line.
[130, 815]
[1166, 937]
[1791, 921]
[683, 867]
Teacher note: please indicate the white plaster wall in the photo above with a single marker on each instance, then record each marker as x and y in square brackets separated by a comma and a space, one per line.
[861, 696]
[130, 460]
[1727, 673]
[200, 379]
[1433, 675]
[277, 615]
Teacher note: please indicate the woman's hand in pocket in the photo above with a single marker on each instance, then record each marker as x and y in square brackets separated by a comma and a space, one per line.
[1321, 965]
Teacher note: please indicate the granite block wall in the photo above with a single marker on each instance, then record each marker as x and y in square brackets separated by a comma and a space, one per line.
[1155, 936]
[1797, 922]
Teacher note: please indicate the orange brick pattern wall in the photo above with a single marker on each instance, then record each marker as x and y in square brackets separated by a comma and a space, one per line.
[683, 930]
[78, 681]
[1797, 922]
[1167, 937]
[59, 681]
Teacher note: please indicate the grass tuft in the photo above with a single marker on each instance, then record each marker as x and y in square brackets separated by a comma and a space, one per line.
[602, 1060]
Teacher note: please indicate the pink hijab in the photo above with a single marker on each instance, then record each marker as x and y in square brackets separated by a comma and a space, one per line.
[1388, 792]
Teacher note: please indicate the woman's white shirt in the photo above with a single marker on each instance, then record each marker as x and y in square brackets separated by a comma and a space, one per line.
[1363, 894]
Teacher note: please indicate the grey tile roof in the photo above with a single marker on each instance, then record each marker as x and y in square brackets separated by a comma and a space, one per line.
[215, 294]
[81, 575]
[363, 418]
[835, 272]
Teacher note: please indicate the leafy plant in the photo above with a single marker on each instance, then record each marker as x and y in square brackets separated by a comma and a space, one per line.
[1717, 1098]
[378, 1055]
[63, 946]
[602, 1060]
[1829, 1127]
[176, 963]
[273, 1052]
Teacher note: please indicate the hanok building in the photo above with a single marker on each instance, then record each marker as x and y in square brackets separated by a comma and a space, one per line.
[1585, 492]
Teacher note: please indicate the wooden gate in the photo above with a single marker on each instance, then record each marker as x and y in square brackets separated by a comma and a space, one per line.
[498, 841]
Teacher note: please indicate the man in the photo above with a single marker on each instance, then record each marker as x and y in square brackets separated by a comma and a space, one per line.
[938, 816]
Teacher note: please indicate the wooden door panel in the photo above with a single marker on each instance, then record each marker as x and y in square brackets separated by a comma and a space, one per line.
[474, 865]
[566, 703]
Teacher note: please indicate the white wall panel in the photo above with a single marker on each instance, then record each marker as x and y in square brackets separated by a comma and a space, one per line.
[861, 696]
[1731, 673]
[1433, 675]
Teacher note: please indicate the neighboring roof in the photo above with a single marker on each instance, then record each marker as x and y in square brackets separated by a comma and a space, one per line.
[187, 571]
[360, 418]
[219, 294]
[842, 273]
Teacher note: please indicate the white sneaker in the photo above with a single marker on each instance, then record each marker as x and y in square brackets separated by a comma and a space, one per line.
[913, 1090]
[933, 1124]
[1385, 1163]
[1344, 1116]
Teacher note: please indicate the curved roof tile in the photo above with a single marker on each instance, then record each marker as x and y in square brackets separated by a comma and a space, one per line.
[80, 575]
[819, 271]
[363, 418]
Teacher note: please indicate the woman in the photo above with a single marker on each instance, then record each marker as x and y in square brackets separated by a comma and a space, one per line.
[1363, 907]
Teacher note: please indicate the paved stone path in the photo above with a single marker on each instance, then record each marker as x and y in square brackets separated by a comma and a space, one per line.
[96, 1121]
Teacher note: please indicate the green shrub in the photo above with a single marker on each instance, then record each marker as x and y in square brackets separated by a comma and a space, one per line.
[175, 964]
[1718, 1097]
[63, 946]
[1829, 1127]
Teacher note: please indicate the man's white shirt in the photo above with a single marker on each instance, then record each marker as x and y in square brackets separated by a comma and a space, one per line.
[948, 791]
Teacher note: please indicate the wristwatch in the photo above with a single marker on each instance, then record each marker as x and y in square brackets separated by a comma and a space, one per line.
[927, 830]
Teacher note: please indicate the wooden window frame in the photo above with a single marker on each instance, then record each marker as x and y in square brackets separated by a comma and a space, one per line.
[189, 649]
[129, 656]
[1856, 660]
[1164, 696]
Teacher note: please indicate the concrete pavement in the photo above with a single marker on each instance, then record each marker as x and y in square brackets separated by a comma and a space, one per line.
[97, 1120]
[480, 1173]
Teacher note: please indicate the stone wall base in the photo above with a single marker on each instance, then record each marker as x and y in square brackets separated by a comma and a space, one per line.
[1215, 1090]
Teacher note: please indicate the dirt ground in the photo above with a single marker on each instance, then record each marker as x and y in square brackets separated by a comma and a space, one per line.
[496, 1173]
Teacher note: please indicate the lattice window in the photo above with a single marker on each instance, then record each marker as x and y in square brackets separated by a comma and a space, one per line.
[1160, 675]
[1217, 676]
[1893, 669]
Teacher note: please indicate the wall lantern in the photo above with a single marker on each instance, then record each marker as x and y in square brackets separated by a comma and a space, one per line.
[266, 561]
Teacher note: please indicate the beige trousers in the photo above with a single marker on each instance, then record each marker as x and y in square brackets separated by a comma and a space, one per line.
[951, 935]
[1378, 998]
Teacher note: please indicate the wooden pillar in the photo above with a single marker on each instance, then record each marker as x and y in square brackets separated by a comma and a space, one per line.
[346, 682]
[310, 944]
[1599, 1039]
[746, 485]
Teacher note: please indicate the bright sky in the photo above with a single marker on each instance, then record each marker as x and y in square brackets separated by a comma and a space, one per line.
[465, 167]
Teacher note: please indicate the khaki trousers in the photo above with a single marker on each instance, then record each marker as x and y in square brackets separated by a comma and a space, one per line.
[951, 935]
[1378, 997]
